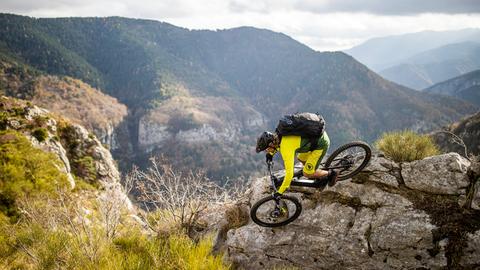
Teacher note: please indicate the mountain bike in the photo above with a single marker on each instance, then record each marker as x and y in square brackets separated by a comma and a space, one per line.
[271, 211]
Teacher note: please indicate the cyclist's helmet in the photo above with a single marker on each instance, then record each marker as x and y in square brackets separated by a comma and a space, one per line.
[264, 140]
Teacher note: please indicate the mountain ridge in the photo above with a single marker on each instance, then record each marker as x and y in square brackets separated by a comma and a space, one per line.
[376, 53]
[145, 64]
[430, 67]
[466, 87]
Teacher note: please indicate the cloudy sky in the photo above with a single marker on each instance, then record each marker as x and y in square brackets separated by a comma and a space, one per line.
[321, 24]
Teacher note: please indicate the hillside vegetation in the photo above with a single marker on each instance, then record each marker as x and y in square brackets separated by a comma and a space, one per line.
[45, 224]
[428, 68]
[64, 95]
[377, 54]
[461, 137]
[466, 87]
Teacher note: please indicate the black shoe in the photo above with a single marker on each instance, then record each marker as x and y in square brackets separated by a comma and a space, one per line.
[332, 178]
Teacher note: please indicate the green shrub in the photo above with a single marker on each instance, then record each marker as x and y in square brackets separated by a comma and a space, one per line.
[406, 146]
[41, 134]
[25, 170]
[18, 111]
[84, 167]
[3, 120]
[40, 121]
[82, 185]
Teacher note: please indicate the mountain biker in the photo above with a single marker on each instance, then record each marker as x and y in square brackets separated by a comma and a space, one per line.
[291, 145]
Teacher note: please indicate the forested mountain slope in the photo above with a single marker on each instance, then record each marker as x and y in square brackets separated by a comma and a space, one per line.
[174, 79]
[466, 87]
[433, 66]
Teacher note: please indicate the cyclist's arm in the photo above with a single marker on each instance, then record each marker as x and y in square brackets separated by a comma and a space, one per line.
[287, 148]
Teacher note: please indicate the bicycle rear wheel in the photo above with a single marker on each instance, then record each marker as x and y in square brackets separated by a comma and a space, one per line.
[350, 159]
[263, 212]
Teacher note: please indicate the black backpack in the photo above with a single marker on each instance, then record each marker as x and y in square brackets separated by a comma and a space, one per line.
[306, 125]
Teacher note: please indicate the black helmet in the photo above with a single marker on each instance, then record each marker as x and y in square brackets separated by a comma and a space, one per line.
[264, 140]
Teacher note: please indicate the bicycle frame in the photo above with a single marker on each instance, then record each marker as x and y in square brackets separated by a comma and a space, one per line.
[295, 181]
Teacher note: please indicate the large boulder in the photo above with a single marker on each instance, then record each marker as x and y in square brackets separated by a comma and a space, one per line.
[444, 174]
[391, 216]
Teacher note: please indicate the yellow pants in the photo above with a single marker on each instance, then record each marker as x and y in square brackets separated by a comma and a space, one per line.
[311, 159]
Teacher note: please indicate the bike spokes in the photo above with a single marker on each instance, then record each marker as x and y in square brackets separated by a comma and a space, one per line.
[270, 213]
[349, 159]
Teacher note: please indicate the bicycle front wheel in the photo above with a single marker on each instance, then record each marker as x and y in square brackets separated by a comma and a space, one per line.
[349, 159]
[267, 213]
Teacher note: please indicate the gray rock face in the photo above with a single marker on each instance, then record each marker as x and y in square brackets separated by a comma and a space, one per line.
[150, 133]
[154, 134]
[472, 251]
[57, 148]
[107, 172]
[444, 174]
[384, 218]
[50, 145]
[107, 135]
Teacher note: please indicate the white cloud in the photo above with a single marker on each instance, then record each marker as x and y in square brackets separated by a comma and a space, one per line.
[321, 24]
[382, 7]
[333, 31]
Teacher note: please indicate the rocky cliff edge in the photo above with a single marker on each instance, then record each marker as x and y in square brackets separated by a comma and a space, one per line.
[419, 215]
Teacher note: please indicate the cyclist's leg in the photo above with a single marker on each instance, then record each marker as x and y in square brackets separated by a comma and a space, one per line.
[310, 169]
[314, 159]
[302, 157]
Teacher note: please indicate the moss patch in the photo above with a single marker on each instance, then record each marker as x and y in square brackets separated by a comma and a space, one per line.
[41, 134]
[453, 222]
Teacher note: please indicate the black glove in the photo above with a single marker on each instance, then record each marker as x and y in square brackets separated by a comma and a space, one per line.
[268, 158]
[277, 195]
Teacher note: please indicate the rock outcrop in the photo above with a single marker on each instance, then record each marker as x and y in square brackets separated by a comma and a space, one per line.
[79, 150]
[414, 215]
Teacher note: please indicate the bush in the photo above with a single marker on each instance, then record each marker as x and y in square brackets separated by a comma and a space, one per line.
[3, 120]
[406, 146]
[84, 167]
[175, 198]
[24, 170]
[41, 134]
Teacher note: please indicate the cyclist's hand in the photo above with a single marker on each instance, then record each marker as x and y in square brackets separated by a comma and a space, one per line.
[268, 158]
[277, 195]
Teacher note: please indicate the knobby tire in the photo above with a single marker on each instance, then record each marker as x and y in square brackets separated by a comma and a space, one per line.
[253, 211]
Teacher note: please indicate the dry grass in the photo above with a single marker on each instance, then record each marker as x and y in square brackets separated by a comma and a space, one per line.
[406, 146]
[69, 233]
